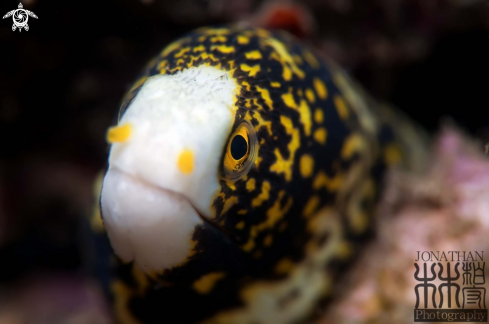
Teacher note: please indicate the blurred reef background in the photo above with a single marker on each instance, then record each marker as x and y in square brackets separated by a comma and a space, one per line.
[61, 84]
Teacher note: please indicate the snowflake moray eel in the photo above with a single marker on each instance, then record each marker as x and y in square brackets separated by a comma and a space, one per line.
[243, 175]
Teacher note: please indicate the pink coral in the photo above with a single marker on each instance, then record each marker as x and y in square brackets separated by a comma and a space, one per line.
[445, 210]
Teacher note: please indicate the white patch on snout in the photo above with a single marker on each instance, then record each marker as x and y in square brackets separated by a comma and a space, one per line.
[192, 111]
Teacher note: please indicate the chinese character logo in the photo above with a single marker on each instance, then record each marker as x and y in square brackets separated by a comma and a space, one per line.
[20, 17]
[475, 295]
[440, 296]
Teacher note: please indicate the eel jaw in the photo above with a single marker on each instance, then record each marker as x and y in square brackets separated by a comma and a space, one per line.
[149, 225]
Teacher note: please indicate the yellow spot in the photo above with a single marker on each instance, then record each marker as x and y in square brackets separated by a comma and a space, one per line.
[218, 39]
[392, 154]
[297, 59]
[172, 47]
[223, 48]
[141, 278]
[282, 165]
[162, 65]
[182, 52]
[287, 74]
[305, 114]
[310, 59]
[288, 99]
[323, 180]
[119, 134]
[345, 250]
[199, 48]
[284, 266]
[320, 135]
[250, 245]
[359, 220]
[320, 88]
[310, 95]
[206, 283]
[341, 107]
[257, 162]
[253, 70]
[124, 295]
[325, 220]
[229, 203]
[265, 94]
[268, 240]
[275, 84]
[240, 225]
[263, 196]
[275, 212]
[311, 206]
[231, 185]
[246, 84]
[262, 33]
[243, 40]
[242, 212]
[250, 184]
[186, 162]
[357, 212]
[318, 115]
[253, 55]
[284, 57]
[306, 165]
[303, 109]
[261, 123]
[353, 144]
[248, 103]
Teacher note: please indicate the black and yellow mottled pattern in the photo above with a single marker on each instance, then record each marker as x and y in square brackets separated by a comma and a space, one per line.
[304, 207]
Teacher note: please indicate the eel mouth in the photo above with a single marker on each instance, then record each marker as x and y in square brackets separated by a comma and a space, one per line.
[147, 224]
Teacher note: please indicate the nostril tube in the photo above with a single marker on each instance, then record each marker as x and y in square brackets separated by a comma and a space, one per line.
[119, 134]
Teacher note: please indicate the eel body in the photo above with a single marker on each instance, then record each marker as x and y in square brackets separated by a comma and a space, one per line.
[243, 175]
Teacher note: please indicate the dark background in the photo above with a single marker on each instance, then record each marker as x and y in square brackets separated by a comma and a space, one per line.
[62, 81]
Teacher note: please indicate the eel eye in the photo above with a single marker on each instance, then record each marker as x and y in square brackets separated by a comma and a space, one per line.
[240, 152]
[239, 147]
[128, 99]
